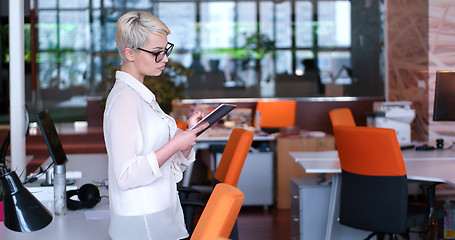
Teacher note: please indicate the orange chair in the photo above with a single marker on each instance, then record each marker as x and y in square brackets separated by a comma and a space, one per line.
[220, 213]
[182, 124]
[374, 190]
[228, 170]
[233, 157]
[341, 116]
[277, 114]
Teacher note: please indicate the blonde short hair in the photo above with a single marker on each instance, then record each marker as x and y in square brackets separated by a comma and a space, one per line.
[134, 28]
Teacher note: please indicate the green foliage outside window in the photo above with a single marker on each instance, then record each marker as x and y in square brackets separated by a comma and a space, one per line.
[4, 43]
[256, 47]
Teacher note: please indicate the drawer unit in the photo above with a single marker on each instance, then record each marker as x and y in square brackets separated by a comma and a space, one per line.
[309, 208]
[256, 179]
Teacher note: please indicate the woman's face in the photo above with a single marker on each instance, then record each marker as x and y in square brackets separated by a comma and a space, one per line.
[145, 63]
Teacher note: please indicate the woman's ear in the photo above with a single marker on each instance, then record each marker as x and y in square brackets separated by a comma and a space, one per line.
[129, 54]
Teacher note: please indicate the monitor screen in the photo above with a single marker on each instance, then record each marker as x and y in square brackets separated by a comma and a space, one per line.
[444, 96]
[51, 138]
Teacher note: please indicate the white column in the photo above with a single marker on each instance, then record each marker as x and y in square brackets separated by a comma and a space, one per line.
[16, 82]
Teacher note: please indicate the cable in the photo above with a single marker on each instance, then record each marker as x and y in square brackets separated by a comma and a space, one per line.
[4, 149]
[35, 177]
[102, 183]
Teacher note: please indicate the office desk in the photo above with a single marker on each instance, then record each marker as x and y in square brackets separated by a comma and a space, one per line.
[436, 166]
[221, 136]
[287, 168]
[74, 225]
[257, 178]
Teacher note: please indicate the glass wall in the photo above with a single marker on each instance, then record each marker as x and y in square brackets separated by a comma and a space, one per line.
[247, 49]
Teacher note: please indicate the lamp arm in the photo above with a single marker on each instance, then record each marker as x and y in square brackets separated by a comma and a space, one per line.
[4, 150]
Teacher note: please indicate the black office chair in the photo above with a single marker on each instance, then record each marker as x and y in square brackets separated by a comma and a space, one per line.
[374, 190]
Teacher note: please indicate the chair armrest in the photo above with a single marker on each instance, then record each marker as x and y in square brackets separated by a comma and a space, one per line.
[430, 191]
[189, 211]
[184, 192]
[192, 203]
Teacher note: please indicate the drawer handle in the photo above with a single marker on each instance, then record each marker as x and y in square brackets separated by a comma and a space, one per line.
[296, 220]
[295, 196]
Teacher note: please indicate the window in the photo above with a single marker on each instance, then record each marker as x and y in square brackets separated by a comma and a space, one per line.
[242, 48]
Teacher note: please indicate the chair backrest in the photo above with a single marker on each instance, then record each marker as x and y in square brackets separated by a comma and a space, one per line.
[220, 213]
[182, 124]
[373, 193]
[277, 114]
[233, 157]
[341, 117]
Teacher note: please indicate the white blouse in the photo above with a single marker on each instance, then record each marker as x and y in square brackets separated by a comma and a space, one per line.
[143, 197]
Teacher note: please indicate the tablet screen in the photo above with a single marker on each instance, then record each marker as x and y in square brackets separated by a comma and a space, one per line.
[215, 116]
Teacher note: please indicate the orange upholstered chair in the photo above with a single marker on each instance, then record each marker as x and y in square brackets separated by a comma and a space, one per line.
[374, 189]
[220, 213]
[277, 114]
[341, 116]
[233, 157]
[228, 171]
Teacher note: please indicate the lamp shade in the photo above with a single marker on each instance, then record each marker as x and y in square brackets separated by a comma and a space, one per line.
[22, 212]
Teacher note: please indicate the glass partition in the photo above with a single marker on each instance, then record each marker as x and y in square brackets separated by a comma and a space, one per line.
[233, 49]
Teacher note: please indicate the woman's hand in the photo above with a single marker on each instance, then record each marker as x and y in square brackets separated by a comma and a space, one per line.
[187, 139]
[182, 141]
[195, 118]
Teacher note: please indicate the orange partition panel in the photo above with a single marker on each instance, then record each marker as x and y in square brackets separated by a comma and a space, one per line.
[277, 114]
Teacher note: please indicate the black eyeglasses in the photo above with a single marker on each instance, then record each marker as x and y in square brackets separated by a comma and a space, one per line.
[160, 54]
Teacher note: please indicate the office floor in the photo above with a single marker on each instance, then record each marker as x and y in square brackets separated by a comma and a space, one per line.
[256, 223]
[274, 224]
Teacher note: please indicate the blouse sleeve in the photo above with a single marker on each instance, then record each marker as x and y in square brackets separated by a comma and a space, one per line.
[180, 163]
[131, 170]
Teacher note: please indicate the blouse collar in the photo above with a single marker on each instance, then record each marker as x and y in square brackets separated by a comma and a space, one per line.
[135, 84]
[149, 98]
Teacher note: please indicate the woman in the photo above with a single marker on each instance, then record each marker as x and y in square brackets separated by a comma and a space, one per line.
[147, 154]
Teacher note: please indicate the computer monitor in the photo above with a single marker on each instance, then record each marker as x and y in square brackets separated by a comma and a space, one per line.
[444, 96]
[51, 138]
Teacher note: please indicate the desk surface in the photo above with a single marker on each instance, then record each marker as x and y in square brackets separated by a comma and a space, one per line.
[436, 165]
[215, 134]
[75, 224]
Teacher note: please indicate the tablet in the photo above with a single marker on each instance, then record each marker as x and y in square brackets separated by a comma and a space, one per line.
[214, 116]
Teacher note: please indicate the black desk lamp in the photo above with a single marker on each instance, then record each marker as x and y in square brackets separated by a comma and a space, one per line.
[22, 212]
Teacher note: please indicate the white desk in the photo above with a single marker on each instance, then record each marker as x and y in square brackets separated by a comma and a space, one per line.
[216, 135]
[221, 135]
[74, 225]
[436, 165]
[255, 182]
